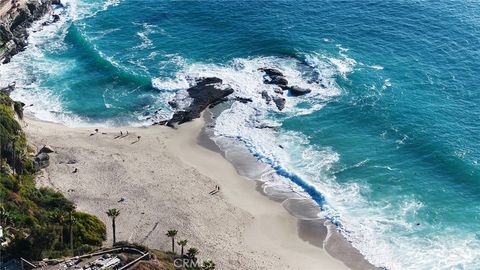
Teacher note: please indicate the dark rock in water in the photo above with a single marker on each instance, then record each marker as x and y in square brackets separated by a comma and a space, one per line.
[275, 77]
[209, 80]
[271, 72]
[7, 90]
[277, 80]
[213, 104]
[57, 2]
[243, 100]
[280, 102]
[205, 93]
[56, 18]
[265, 126]
[266, 96]
[278, 91]
[7, 59]
[173, 104]
[298, 91]
[161, 122]
[41, 161]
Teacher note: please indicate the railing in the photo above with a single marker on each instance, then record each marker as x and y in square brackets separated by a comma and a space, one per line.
[22, 260]
[113, 250]
[133, 262]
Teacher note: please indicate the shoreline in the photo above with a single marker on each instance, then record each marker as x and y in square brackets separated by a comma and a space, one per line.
[316, 231]
[265, 235]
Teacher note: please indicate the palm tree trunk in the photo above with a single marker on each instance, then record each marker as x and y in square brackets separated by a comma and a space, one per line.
[71, 233]
[173, 245]
[61, 236]
[182, 251]
[114, 236]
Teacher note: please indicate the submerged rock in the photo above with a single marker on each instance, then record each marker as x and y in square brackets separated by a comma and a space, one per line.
[56, 18]
[278, 91]
[298, 91]
[266, 96]
[271, 72]
[277, 80]
[280, 102]
[204, 93]
[173, 104]
[243, 100]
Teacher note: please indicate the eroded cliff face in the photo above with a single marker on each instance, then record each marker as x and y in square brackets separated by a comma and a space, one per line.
[15, 18]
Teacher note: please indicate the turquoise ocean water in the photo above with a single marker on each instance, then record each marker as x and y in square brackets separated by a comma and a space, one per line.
[388, 145]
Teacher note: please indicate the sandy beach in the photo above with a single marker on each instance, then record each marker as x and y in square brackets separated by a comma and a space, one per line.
[160, 178]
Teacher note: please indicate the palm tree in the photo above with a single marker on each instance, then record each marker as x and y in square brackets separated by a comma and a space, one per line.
[192, 254]
[113, 214]
[59, 218]
[182, 243]
[172, 234]
[208, 265]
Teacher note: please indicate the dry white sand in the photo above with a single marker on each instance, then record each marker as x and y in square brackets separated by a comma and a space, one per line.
[165, 179]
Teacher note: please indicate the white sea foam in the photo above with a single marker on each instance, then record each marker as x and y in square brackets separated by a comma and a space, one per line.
[377, 67]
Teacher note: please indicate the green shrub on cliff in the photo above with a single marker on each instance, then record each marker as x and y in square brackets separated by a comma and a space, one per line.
[36, 221]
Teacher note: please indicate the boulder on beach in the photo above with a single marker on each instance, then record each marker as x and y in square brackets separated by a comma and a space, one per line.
[42, 160]
[46, 149]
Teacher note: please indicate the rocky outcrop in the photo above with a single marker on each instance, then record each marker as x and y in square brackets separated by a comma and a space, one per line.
[42, 160]
[276, 77]
[266, 96]
[298, 91]
[15, 22]
[8, 89]
[280, 102]
[206, 92]
[46, 149]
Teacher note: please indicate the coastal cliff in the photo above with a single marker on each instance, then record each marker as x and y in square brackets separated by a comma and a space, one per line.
[15, 18]
[34, 221]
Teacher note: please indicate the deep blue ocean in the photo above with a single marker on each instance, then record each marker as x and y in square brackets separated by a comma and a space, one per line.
[388, 144]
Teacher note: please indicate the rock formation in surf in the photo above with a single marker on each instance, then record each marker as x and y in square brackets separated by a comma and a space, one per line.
[206, 92]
